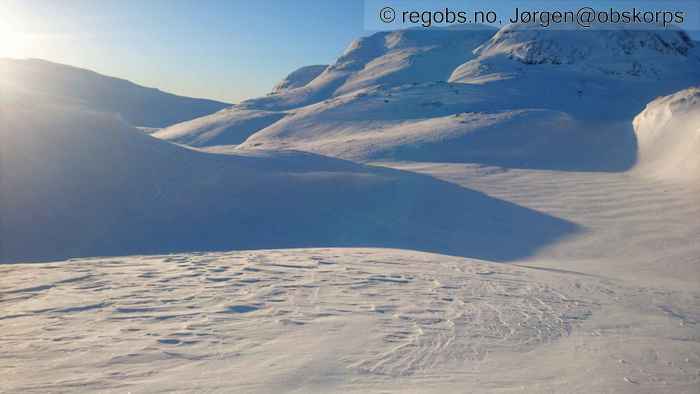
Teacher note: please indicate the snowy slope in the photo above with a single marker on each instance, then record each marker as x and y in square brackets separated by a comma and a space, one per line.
[616, 50]
[387, 59]
[435, 121]
[408, 56]
[227, 127]
[137, 105]
[668, 134]
[76, 183]
[299, 77]
[339, 320]
[592, 74]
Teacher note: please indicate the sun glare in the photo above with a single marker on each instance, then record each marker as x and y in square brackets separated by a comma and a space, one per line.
[13, 43]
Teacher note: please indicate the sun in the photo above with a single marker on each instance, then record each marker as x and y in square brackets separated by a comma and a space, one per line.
[14, 43]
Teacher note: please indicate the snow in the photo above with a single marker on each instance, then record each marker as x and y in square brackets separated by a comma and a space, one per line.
[668, 134]
[229, 126]
[520, 214]
[139, 194]
[383, 59]
[299, 77]
[471, 96]
[137, 105]
[338, 320]
[407, 56]
[613, 50]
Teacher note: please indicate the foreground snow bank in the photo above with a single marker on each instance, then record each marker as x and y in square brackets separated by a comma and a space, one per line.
[337, 320]
[333, 316]
[668, 136]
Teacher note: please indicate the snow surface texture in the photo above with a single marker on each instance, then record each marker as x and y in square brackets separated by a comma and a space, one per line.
[338, 320]
[668, 134]
[137, 105]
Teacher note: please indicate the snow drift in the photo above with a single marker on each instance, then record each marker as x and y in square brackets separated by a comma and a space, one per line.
[79, 183]
[668, 134]
[526, 97]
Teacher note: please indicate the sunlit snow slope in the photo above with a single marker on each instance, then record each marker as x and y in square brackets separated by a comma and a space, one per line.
[137, 105]
[668, 134]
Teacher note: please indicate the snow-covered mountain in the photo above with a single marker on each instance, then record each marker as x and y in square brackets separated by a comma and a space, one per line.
[615, 50]
[668, 134]
[525, 97]
[137, 105]
[384, 59]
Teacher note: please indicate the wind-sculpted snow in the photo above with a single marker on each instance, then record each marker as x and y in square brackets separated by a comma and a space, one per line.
[325, 320]
[668, 131]
[137, 105]
[82, 184]
[418, 312]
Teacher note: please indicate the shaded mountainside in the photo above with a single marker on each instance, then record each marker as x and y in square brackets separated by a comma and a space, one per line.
[137, 105]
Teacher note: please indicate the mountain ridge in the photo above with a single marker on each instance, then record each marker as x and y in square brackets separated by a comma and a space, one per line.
[138, 105]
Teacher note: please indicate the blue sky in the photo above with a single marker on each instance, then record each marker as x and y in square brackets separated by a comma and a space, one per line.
[227, 50]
